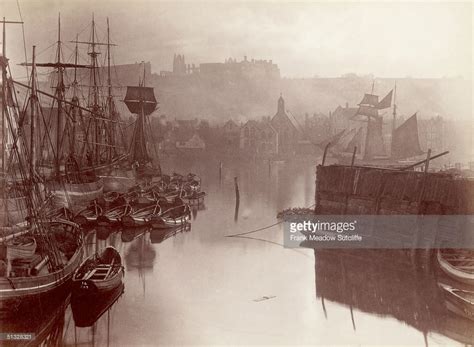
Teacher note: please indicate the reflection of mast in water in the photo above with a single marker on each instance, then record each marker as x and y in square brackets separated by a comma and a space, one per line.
[45, 321]
[141, 256]
[387, 283]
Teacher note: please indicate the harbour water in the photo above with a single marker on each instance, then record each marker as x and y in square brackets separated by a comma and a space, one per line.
[198, 286]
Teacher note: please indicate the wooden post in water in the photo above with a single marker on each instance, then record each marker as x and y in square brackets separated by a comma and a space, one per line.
[419, 228]
[353, 156]
[427, 165]
[237, 199]
[269, 168]
[220, 172]
[325, 153]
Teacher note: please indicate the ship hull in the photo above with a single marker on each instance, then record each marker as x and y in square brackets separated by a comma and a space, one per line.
[17, 293]
[72, 195]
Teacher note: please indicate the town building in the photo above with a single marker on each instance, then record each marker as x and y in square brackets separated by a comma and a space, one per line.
[258, 138]
[288, 130]
[231, 135]
[342, 118]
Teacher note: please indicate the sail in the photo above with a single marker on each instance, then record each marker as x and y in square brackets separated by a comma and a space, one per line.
[368, 111]
[138, 97]
[386, 102]
[345, 139]
[374, 144]
[405, 141]
[370, 99]
[332, 140]
[356, 141]
[138, 149]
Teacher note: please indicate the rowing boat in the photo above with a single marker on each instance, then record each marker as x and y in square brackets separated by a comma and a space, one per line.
[101, 272]
[457, 264]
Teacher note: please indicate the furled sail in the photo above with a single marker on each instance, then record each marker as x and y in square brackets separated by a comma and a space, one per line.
[140, 97]
[374, 144]
[405, 141]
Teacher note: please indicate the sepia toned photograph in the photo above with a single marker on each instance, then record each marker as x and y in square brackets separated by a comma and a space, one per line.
[230, 172]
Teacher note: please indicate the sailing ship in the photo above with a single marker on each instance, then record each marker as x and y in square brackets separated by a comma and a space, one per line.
[367, 143]
[13, 204]
[141, 101]
[40, 258]
[57, 160]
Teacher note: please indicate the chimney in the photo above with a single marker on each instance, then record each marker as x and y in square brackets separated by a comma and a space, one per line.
[347, 104]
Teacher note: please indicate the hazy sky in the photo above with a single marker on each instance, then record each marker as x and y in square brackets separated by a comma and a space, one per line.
[424, 39]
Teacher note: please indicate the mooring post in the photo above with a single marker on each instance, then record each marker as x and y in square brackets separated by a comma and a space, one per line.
[353, 156]
[220, 171]
[325, 153]
[427, 165]
[237, 199]
[420, 220]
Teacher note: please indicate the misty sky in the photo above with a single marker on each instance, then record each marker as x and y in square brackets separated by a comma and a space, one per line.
[305, 39]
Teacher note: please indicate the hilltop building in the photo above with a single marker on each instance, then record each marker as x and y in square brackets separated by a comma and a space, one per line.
[229, 68]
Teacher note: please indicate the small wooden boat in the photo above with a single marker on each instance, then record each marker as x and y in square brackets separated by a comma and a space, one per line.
[21, 247]
[193, 182]
[61, 213]
[99, 273]
[457, 264]
[142, 216]
[459, 301]
[173, 215]
[114, 215]
[87, 310]
[193, 197]
[89, 214]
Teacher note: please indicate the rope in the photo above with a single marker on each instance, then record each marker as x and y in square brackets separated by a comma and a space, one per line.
[262, 228]
[254, 231]
[274, 243]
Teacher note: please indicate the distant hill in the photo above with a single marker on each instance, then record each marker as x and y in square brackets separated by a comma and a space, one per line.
[219, 99]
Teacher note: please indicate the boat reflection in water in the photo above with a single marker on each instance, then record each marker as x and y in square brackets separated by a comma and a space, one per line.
[45, 323]
[159, 235]
[131, 233]
[140, 254]
[390, 283]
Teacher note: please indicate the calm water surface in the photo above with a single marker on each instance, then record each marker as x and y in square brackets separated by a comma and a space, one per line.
[200, 287]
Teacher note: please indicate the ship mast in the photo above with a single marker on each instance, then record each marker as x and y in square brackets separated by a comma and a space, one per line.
[59, 98]
[94, 91]
[394, 119]
[110, 102]
[33, 104]
[60, 94]
[4, 87]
